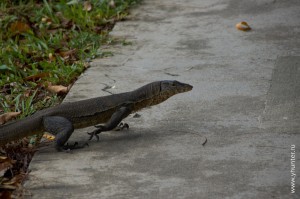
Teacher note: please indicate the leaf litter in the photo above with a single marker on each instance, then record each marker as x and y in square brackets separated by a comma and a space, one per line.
[44, 48]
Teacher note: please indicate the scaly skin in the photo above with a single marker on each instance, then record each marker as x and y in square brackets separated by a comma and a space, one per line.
[61, 120]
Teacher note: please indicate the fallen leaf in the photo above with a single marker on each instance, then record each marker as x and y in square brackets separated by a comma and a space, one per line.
[48, 136]
[27, 93]
[47, 20]
[8, 116]
[3, 158]
[87, 6]
[64, 22]
[5, 163]
[67, 54]
[58, 89]
[51, 57]
[86, 65]
[5, 194]
[16, 180]
[67, 24]
[243, 26]
[18, 27]
[112, 4]
[36, 77]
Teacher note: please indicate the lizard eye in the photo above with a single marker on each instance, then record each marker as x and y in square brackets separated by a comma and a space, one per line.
[173, 84]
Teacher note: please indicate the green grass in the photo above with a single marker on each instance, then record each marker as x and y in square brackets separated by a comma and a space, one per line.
[36, 35]
[45, 42]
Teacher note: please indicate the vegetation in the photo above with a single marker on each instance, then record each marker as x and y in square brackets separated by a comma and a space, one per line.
[50, 42]
[44, 46]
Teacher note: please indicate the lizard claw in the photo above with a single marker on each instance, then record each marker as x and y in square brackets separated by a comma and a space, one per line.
[68, 148]
[122, 126]
[94, 134]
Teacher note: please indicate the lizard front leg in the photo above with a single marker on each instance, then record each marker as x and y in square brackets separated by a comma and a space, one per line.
[113, 122]
[62, 128]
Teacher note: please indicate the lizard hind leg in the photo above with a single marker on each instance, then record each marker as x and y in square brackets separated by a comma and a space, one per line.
[62, 128]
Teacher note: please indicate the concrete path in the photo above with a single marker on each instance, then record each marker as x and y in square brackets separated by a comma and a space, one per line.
[245, 101]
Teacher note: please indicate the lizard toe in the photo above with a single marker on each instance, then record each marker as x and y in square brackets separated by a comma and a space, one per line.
[122, 126]
[93, 134]
[68, 148]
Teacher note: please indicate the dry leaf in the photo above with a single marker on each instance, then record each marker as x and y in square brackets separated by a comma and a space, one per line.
[5, 163]
[48, 136]
[16, 180]
[37, 76]
[18, 27]
[8, 116]
[51, 57]
[5, 194]
[27, 93]
[59, 89]
[3, 158]
[86, 64]
[47, 20]
[112, 4]
[44, 19]
[67, 54]
[87, 6]
[243, 26]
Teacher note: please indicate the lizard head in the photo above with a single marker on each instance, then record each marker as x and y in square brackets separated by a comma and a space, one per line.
[157, 92]
[172, 87]
[169, 88]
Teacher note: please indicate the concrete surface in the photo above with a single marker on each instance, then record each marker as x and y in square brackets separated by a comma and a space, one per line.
[245, 101]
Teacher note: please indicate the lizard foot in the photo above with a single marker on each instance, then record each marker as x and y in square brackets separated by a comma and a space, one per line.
[95, 132]
[122, 126]
[67, 148]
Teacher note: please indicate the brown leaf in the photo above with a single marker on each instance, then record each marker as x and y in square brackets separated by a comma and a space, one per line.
[3, 158]
[16, 180]
[87, 6]
[48, 136]
[59, 89]
[5, 194]
[47, 20]
[66, 38]
[112, 4]
[5, 163]
[18, 27]
[27, 93]
[86, 65]
[65, 23]
[51, 57]
[243, 26]
[8, 116]
[37, 76]
[67, 54]
[52, 31]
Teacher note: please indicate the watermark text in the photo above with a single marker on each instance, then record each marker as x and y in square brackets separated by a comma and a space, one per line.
[293, 168]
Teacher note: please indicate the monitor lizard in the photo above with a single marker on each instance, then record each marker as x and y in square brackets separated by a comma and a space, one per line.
[109, 111]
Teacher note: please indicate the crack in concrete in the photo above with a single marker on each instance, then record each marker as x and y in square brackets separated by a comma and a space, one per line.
[107, 87]
[172, 74]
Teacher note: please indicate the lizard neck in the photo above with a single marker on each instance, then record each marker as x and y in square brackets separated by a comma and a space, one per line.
[147, 96]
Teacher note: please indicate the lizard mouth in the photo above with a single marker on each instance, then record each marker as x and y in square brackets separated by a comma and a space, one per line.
[170, 88]
[185, 88]
[188, 87]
